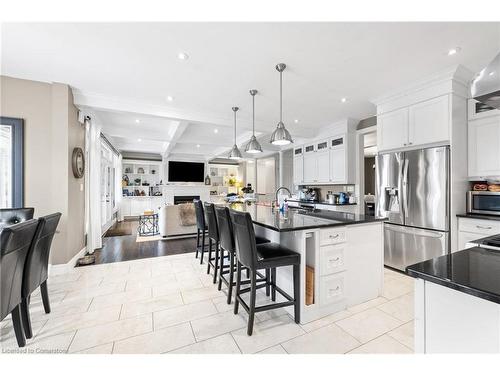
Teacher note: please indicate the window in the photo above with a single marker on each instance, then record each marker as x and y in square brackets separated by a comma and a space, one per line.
[11, 163]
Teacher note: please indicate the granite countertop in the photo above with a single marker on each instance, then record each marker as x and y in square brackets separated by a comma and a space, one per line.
[318, 202]
[294, 219]
[480, 216]
[475, 271]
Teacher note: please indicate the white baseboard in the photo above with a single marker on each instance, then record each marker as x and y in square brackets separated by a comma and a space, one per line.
[58, 269]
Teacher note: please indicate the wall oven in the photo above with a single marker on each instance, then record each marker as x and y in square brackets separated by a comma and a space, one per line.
[483, 202]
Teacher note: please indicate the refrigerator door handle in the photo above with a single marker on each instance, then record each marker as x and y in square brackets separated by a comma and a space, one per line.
[415, 231]
[404, 197]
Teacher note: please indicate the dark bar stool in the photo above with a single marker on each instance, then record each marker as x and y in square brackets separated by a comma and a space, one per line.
[264, 256]
[36, 267]
[15, 241]
[215, 262]
[226, 237]
[201, 228]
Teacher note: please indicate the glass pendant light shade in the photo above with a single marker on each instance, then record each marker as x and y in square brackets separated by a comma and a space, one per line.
[235, 153]
[253, 145]
[281, 136]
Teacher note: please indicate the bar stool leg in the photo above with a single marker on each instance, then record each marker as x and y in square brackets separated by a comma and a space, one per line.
[216, 261]
[209, 255]
[273, 284]
[238, 285]
[231, 277]
[18, 326]
[197, 242]
[202, 246]
[253, 295]
[296, 292]
[45, 296]
[221, 258]
[25, 315]
[268, 282]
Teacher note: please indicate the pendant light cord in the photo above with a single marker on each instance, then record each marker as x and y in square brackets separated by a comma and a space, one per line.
[234, 127]
[281, 96]
[253, 115]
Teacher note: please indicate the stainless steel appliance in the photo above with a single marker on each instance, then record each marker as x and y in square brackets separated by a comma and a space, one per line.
[309, 194]
[412, 190]
[485, 87]
[483, 202]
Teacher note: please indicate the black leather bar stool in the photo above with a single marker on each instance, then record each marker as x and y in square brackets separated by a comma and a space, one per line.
[36, 267]
[226, 236]
[201, 228]
[15, 241]
[264, 256]
[214, 261]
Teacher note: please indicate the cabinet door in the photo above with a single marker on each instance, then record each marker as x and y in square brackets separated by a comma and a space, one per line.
[323, 166]
[484, 147]
[298, 170]
[429, 121]
[392, 129]
[310, 168]
[464, 237]
[337, 165]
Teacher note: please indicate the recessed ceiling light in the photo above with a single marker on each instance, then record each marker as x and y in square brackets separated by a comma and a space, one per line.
[170, 98]
[183, 56]
[491, 73]
[138, 139]
[137, 121]
[343, 100]
[198, 146]
[216, 131]
[296, 121]
[454, 51]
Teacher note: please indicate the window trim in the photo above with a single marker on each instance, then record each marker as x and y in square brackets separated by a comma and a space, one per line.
[17, 125]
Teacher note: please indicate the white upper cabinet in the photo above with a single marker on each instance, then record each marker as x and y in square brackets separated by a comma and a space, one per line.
[338, 160]
[310, 170]
[484, 147]
[420, 124]
[298, 165]
[392, 129]
[429, 121]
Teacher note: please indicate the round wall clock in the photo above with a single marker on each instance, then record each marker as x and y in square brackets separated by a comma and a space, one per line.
[78, 162]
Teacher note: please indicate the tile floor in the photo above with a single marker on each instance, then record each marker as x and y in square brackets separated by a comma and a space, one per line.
[169, 305]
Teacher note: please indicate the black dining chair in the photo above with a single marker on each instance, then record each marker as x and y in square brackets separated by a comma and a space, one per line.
[226, 236]
[36, 267]
[201, 228]
[15, 241]
[264, 256]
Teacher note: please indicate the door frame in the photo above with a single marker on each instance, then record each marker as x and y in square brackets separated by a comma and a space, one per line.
[360, 165]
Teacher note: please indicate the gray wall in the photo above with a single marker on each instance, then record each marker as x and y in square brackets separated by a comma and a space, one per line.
[369, 175]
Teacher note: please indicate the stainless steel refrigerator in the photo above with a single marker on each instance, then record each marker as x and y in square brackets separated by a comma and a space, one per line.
[412, 190]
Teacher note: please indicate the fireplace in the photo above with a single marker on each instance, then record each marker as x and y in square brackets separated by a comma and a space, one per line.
[178, 199]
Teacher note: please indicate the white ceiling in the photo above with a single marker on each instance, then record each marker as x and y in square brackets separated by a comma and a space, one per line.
[124, 71]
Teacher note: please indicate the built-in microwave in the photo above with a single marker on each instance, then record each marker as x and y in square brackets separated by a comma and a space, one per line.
[483, 202]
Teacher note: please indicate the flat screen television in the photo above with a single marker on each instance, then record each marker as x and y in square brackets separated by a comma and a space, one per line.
[183, 171]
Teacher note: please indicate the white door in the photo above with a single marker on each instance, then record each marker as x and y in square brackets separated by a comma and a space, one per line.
[392, 129]
[484, 147]
[310, 168]
[298, 170]
[429, 121]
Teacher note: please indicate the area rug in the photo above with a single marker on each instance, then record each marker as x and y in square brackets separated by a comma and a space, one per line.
[148, 238]
[115, 232]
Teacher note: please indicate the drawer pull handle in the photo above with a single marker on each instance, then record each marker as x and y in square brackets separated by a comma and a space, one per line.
[334, 236]
[482, 227]
[335, 290]
[334, 260]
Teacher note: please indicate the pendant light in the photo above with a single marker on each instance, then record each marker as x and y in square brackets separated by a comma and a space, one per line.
[281, 136]
[253, 146]
[235, 152]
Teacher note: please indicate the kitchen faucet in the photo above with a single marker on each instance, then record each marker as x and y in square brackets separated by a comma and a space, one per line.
[276, 194]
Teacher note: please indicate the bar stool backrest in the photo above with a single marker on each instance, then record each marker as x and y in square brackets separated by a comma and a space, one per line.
[213, 228]
[200, 215]
[244, 235]
[37, 261]
[226, 233]
[15, 241]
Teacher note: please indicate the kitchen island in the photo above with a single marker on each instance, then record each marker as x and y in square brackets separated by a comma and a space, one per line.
[457, 302]
[341, 255]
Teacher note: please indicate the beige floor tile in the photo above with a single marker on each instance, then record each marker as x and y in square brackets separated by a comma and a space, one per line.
[367, 305]
[327, 320]
[200, 294]
[326, 340]
[101, 290]
[404, 334]
[57, 344]
[400, 308]
[79, 285]
[79, 321]
[277, 349]
[221, 303]
[64, 278]
[100, 349]
[106, 333]
[382, 345]
[223, 344]
[8, 336]
[217, 324]
[159, 341]
[181, 314]
[149, 282]
[368, 324]
[129, 278]
[133, 309]
[394, 288]
[266, 334]
[177, 286]
[102, 302]
[65, 307]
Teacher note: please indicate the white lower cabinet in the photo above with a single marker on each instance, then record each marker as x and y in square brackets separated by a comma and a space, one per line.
[470, 229]
[332, 259]
[331, 289]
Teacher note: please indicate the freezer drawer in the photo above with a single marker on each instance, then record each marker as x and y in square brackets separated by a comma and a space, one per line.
[404, 246]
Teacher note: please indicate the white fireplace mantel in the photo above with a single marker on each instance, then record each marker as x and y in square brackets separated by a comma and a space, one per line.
[169, 191]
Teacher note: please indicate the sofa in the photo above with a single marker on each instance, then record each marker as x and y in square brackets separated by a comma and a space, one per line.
[170, 223]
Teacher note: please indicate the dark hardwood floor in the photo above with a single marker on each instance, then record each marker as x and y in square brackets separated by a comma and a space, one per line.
[122, 248]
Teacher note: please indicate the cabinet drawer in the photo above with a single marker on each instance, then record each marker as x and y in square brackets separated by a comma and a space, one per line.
[331, 289]
[331, 236]
[332, 259]
[487, 227]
